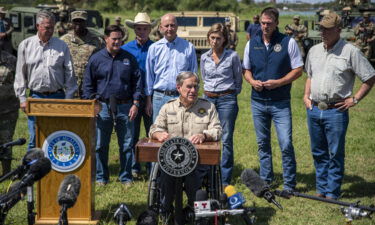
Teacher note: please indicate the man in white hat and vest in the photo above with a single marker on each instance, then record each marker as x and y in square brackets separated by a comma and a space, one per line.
[138, 48]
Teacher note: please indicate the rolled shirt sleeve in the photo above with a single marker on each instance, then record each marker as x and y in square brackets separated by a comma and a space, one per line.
[70, 84]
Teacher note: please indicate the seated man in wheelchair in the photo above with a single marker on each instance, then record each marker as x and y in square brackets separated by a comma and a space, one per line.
[190, 117]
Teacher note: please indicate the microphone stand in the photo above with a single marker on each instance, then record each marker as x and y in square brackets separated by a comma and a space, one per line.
[63, 220]
[351, 211]
[30, 205]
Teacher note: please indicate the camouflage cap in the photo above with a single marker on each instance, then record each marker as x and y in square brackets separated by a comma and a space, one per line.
[79, 15]
[330, 20]
[117, 18]
[366, 14]
[2, 10]
[296, 17]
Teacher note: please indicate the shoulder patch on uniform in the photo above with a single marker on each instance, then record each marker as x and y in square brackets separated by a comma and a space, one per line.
[172, 100]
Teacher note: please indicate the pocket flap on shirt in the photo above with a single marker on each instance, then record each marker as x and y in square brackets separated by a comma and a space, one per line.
[201, 120]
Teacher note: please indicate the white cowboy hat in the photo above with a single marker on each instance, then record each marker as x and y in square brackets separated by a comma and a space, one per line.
[2, 10]
[140, 18]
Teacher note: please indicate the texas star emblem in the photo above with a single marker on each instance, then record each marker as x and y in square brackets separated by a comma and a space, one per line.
[177, 157]
[277, 48]
[65, 150]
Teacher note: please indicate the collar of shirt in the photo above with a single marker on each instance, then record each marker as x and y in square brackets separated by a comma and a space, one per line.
[335, 46]
[170, 43]
[221, 57]
[179, 103]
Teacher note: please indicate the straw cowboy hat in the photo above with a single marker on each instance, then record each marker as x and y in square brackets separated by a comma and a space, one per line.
[142, 19]
[2, 10]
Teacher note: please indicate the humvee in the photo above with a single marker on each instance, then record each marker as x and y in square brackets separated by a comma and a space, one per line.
[194, 25]
[24, 21]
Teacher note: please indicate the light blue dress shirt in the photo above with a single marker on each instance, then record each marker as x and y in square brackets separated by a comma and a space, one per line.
[165, 60]
[226, 75]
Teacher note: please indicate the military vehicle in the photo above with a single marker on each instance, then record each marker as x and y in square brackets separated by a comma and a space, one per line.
[194, 25]
[351, 16]
[24, 21]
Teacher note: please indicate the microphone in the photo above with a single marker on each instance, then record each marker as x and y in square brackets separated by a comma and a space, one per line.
[260, 189]
[113, 107]
[20, 141]
[201, 203]
[235, 199]
[148, 217]
[36, 172]
[67, 196]
[122, 214]
[32, 156]
[69, 191]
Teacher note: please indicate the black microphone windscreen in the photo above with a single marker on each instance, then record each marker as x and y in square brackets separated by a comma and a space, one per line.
[69, 191]
[201, 195]
[21, 141]
[31, 155]
[113, 104]
[252, 180]
[40, 168]
[148, 217]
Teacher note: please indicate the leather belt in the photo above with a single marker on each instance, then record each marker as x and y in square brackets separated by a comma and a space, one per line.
[169, 93]
[325, 106]
[218, 94]
[47, 92]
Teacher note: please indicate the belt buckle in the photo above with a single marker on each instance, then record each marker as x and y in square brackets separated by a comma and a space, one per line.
[322, 106]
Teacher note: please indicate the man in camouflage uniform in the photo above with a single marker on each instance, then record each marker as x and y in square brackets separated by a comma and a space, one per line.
[364, 32]
[82, 44]
[298, 32]
[126, 32]
[6, 29]
[63, 25]
[233, 39]
[9, 106]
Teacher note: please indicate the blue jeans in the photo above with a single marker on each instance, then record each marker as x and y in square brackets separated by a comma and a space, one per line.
[147, 122]
[227, 109]
[264, 112]
[158, 100]
[124, 129]
[31, 120]
[327, 130]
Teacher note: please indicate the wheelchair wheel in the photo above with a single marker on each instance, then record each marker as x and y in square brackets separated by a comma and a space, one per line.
[153, 189]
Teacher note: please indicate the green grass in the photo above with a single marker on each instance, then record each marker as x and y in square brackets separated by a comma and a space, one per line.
[358, 184]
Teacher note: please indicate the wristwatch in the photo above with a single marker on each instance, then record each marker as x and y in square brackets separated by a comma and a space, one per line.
[355, 101]
[136, 104]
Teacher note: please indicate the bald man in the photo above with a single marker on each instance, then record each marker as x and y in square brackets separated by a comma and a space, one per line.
[165, 60]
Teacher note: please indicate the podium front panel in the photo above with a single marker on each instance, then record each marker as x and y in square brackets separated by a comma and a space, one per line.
[147, 151]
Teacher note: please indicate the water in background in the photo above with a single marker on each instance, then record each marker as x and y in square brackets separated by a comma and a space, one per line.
[301, 13]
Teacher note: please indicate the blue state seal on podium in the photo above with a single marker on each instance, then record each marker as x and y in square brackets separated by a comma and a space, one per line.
[65, 150]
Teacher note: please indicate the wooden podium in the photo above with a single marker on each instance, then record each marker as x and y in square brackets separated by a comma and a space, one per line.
[77, 116]
[147, 151]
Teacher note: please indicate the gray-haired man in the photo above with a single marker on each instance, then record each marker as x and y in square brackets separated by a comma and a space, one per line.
[44, 66]
[331, 67]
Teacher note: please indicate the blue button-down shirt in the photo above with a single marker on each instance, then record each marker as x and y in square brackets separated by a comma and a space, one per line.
[140, 54]
[253, 29]
[226, 75]
[165, 60]
[106, 76]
